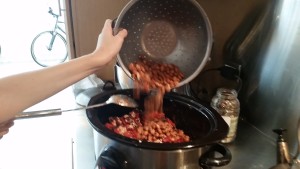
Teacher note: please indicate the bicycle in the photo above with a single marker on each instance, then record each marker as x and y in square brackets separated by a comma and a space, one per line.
[50, 47]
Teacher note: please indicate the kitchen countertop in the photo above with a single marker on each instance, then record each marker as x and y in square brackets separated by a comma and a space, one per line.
[251, 149]
[60, 142]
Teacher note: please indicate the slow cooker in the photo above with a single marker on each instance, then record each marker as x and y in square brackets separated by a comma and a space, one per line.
[202, 123]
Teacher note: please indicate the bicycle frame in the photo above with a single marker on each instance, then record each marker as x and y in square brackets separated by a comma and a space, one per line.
[56, 27]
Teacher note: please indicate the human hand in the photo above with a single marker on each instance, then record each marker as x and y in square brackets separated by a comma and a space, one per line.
[4, 127]
[109, 45]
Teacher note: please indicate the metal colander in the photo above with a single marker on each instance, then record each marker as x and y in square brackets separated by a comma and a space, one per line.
[172, 31]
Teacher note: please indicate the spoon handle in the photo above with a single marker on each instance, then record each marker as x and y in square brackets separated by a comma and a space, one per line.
[39, 113]
[52, 112]
[86, 107]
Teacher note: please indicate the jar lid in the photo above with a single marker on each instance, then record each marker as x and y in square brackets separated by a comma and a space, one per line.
[227, 92]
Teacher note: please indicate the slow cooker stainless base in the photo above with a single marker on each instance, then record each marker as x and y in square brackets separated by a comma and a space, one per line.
[150, 159]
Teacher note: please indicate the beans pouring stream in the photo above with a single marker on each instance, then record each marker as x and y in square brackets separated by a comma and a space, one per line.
[155, 79]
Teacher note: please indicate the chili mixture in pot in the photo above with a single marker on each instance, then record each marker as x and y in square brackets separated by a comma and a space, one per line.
[158, 130]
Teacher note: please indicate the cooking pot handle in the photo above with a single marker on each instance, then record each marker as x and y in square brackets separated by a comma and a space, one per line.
[111, 158]
[208, 160]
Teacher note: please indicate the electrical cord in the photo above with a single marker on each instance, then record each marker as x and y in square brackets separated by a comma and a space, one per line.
[229, 72]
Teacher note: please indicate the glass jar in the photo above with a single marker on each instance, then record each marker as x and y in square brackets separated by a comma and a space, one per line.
[226, 103]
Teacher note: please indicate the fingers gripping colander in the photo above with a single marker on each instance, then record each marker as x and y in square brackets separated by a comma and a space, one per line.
[172, 31]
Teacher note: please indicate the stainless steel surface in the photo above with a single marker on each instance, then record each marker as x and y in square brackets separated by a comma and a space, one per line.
[119, 99]
[252, 149]
[281, 166]
[150, 159]
[171, 31]
[270, 57]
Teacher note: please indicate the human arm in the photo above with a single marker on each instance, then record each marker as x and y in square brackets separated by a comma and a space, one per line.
[21, 91]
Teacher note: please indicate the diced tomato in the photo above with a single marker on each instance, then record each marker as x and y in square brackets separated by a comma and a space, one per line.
[132, 127]
[129, 134]
[109, 126]
[170, 122]
[167, 140]
[120, 130]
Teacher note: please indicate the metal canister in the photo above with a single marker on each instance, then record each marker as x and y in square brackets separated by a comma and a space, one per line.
[226, 103]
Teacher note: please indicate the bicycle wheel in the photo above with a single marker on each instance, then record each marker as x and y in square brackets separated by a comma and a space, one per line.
[46, 51]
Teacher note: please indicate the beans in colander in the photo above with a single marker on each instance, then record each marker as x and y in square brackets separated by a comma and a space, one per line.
[155, 75]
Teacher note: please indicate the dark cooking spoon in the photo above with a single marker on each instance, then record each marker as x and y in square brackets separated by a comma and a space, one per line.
[118, 99]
